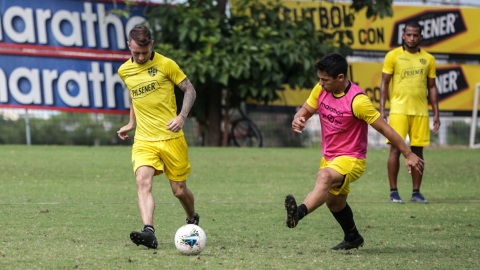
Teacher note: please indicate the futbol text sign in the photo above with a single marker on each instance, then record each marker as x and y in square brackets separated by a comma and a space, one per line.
[449, 32]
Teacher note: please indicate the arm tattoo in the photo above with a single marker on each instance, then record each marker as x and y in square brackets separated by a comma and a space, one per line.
[190, 95]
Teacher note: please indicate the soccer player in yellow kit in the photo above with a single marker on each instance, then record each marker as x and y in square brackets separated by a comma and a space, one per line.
[412, 71]
[159, 141]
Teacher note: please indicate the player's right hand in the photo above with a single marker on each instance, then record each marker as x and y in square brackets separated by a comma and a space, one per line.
[298, 124]
[412, 161]
[122, 132]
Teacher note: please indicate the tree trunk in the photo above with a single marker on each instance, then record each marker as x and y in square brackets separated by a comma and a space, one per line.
[226, 119]
[221, 6]
[214, 117]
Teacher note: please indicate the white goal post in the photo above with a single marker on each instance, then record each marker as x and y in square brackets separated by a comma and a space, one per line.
[473, 127]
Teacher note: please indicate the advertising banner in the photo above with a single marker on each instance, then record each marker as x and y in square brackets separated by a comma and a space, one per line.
[449, 33]
[455, 85]
[64, 54]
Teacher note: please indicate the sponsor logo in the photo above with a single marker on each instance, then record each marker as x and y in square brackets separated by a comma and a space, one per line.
[330, 118]
[412, 72]
[144, 89]
[423, 61]
[333, 110]
[437, 25]
[450, 81]
[152, 71]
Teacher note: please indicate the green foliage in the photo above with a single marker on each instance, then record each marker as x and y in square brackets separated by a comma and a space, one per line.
[66, 129]
[253, 51]
[382, 8]
[458, 133]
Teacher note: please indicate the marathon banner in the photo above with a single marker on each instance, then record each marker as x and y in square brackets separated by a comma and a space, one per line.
[449, 33]
[455, 85]
[64, 54]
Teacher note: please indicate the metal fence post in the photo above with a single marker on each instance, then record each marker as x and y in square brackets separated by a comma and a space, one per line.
[27, 128]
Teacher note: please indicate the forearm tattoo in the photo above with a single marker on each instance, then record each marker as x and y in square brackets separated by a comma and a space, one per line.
[190, 95]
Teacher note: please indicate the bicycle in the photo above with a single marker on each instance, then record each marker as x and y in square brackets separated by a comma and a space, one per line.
[244, 133]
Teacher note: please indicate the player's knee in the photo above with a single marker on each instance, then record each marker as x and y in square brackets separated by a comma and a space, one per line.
[143, 183]
[334, 206]
[323, 179]
[179, 193]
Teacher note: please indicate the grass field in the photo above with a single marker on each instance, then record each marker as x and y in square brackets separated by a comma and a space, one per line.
[74, 207]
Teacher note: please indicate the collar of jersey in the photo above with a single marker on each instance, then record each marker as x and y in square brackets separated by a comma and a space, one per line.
[344, 92]
[152, 55]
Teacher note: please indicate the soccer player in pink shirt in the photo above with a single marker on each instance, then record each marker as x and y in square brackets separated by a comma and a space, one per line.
[345, 112]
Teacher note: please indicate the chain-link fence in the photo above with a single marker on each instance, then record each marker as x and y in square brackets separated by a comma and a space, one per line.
[276, 132]
[46, 127]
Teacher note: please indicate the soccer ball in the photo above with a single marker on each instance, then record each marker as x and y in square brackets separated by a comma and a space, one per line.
[190, 239]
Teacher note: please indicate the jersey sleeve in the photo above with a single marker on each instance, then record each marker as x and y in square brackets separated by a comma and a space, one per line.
[313, 98]
[121, 73]
[363, 109]
[433, 69]
[173, 72]
[389, 63]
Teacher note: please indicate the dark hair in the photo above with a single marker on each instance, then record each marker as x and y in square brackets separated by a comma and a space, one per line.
[141, 34]
[413, 24]
[333, 64]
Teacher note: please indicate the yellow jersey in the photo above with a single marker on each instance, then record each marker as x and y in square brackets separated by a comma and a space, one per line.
[409, 80]
[151, 87]
[362, 107]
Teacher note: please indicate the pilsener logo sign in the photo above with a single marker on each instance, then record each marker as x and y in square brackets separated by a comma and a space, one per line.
[450, 81]
[437, 27]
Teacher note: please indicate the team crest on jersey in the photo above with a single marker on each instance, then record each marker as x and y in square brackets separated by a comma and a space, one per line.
[423, 61]
[152, 71]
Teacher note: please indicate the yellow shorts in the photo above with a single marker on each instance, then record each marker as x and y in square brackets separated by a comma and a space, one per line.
[417, 128]
[170, 156]
[351, 168]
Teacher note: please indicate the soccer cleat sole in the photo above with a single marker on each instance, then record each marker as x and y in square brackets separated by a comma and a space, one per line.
[397, 201]
[291, 207]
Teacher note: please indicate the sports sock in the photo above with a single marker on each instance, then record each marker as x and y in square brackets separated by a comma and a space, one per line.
[302, 211]
[416, 191]
[393, 190]
[149, 227]
[345, 219]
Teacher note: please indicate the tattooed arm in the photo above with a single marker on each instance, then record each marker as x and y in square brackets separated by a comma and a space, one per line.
[176, 124]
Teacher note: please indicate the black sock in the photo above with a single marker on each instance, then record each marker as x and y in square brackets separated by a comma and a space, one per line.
[149, 227]
[416, 191]
[345, 219]
[302, 211]
[393, 189]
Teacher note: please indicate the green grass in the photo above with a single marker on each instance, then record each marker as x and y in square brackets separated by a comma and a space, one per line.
[74, 207]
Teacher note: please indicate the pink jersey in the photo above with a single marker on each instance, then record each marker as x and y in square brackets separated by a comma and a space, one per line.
[342, 133]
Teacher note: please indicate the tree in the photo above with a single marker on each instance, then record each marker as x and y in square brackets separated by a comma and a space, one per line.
[252, 52]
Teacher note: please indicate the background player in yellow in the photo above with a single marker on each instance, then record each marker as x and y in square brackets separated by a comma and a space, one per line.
[412, 71]
[159, 142]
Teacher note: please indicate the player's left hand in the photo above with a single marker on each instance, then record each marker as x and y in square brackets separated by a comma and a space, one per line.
[176, 124]
[413, 161]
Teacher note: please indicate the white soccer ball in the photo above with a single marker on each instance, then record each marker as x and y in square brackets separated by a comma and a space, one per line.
[190, 239]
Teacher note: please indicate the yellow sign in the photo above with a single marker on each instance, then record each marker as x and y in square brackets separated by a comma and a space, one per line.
[447, 30]
[455, 84]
